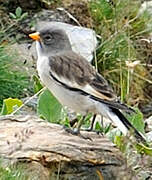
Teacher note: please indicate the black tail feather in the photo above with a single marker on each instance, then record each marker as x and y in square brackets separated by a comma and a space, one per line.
[128, 125]
[114, 104]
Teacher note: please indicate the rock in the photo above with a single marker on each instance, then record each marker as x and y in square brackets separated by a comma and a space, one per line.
[149, 136]
[146, 6]
[147, 109]
[51, 15]
[148, 129]
[149, 122]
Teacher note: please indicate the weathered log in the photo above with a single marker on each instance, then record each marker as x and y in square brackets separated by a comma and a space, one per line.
[53, 153]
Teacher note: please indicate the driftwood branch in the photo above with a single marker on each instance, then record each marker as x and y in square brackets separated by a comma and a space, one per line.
[57, 154]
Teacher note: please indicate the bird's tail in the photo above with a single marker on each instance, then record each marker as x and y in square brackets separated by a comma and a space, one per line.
[123, 124]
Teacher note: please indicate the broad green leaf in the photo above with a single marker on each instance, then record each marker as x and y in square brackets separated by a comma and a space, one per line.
[12, 15]
[136, 120]
[9, 105]
[48, 107]
[18, 12]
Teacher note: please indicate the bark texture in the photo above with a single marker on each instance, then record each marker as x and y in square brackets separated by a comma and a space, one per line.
[49, 152]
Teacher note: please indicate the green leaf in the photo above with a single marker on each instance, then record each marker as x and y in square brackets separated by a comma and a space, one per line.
[87, 120]
[18, 12]
[107, 128]
[98, 127]
[102, 129]
[66, 122]
[23, 16]
[13, 16]
[37, 84]
[48, 107]
[136, 120]
[9, 105]
[119, 141]
[141, 148]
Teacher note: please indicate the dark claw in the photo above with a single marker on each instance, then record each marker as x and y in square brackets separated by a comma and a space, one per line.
[73, 121]
[71, 131]
[91, 130]
[76, 132]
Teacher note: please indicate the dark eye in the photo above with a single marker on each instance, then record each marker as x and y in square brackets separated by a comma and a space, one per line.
[47, 37]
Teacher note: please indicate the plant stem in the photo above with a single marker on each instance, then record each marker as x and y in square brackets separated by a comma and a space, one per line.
[28, 101]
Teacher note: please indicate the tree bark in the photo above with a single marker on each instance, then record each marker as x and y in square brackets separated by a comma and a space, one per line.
[52, 153]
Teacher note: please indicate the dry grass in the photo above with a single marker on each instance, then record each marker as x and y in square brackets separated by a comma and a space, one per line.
[122, 28]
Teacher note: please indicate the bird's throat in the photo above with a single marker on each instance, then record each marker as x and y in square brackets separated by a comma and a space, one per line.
[39, 49]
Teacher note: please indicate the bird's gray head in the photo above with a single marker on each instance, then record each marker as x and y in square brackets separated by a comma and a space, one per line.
[50, 41]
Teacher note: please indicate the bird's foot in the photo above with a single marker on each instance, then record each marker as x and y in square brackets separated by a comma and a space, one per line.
[73, 122]
[92, 130]
[76, 132]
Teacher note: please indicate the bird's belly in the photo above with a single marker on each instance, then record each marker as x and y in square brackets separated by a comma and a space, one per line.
[79, 103]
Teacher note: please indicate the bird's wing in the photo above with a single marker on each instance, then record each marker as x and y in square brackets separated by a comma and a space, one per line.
[75, 73]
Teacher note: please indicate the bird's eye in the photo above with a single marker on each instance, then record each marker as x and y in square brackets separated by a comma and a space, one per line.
[47, 38]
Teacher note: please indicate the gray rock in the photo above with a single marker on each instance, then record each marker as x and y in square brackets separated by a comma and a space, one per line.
[149, 136]
[149, 122]
[149, 128]
[51, 15]
[146, 6]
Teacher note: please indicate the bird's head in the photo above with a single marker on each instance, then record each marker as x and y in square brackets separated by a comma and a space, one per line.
[51, 41]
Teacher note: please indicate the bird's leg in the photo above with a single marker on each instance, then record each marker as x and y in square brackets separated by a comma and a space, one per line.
[76, 131]
[102, 121]
[80, 122]
[92, 123]
[73, 122]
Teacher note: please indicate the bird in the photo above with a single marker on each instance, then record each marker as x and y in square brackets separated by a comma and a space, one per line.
[75, 82]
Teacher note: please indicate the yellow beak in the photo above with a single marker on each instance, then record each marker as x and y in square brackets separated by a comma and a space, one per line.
[35, 36]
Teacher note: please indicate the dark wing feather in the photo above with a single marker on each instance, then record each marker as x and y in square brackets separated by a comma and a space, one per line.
[101, 85]
[76, 73]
